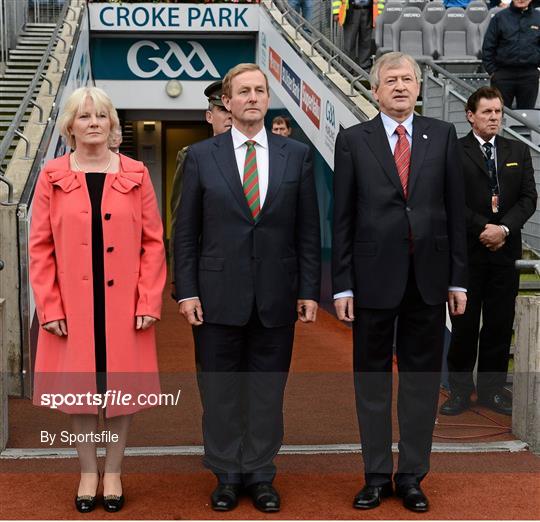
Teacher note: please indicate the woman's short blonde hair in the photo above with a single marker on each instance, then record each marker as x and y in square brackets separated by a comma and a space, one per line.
[75, 103]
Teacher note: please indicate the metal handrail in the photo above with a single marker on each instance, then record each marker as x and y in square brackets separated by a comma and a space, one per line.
[527, 264]
[28, 190]
[325, 47]
[468, 88]
[15, 124]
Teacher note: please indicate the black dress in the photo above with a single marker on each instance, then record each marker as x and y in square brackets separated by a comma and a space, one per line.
[95, 182]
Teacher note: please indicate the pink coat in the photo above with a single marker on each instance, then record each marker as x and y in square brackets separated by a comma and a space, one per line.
[61, 277]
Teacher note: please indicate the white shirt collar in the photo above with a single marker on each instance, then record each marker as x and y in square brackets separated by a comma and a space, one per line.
[391, 125]
[261, 138]
[482, 141]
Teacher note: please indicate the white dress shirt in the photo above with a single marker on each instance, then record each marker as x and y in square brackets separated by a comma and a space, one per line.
[261, 148]
[390, 127]
[492, 141]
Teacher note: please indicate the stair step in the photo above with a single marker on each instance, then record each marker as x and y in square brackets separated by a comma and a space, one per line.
[21, 66]
[24, 58]
[39, 24]
[24, 52]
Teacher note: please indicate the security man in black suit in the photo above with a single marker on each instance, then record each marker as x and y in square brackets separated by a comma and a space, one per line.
[500, 197]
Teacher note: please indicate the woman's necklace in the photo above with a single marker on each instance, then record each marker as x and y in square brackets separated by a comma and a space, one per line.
[78, 167]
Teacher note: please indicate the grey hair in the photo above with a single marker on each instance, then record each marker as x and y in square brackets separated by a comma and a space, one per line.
[391, 61]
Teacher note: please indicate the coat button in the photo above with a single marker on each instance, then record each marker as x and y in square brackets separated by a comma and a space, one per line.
[110, 282]
[110, 249]
[408, 209]
[107, 217]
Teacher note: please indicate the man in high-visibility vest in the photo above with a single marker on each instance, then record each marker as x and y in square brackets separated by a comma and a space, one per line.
[356, 17]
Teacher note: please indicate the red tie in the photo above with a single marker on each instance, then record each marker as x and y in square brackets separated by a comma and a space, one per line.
[402, 157]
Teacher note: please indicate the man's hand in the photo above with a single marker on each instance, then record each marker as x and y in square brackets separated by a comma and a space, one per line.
[191, 309]
[344, 309]
[307, 310]
[492, 237]
[144, 321]
[457, 302]
[56, 327]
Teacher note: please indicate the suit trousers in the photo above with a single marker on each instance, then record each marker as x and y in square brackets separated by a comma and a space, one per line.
[518, 84]
[492, 292]
[357, 31]
[242, 373]
[418, 330]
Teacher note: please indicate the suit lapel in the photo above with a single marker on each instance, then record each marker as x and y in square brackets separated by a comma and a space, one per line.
[471, 147]
[377, 141]
[503, 154]
[226, 161]
[420, 145]
[276, 168]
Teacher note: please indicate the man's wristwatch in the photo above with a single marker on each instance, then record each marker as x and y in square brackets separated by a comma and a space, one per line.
[506, 230]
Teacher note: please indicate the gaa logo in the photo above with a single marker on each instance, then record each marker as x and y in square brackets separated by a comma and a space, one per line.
[330, 114]
[196, 54]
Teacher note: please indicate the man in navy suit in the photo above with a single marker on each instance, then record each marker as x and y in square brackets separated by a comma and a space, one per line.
[247, 266]
[399, 253]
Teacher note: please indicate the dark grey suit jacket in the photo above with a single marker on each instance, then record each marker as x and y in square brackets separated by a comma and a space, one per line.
[232, 262]
[372, 218]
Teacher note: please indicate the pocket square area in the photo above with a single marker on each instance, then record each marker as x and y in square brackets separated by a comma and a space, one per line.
[512, 164]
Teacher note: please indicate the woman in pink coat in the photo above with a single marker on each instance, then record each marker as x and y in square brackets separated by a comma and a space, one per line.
[97, 268]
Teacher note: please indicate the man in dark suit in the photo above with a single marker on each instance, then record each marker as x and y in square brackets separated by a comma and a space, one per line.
[247, 265]
[500, 196]
[398, 253]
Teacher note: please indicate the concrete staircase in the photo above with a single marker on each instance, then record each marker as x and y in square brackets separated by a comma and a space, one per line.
[19, 73]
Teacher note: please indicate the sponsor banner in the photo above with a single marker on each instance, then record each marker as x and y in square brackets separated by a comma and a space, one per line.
[166, 58]
[274, 64]
[311, 104]
[291, 82]
[318, 111]
[175, 18]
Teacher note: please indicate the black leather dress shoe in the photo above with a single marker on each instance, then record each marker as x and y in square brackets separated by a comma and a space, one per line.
[455, 405]
[225, 497]
[499, 402]
[370, 496]
[85, 503]
[413, 498]
[113, 503]
[265, 497]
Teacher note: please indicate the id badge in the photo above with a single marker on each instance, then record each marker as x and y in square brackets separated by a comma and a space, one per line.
[495, 203]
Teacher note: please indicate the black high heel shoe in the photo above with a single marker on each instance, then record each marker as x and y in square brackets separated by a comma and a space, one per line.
[87, 503]
[113, 503]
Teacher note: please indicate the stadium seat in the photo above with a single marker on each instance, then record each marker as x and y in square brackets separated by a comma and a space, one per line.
[484, 25]
[458, 37]
[411, 34]
[383, 26]
[416, 3]
[433, 12]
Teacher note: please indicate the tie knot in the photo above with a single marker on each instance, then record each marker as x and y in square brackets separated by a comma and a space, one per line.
[251, 144]
[487, 148]
[400, 130]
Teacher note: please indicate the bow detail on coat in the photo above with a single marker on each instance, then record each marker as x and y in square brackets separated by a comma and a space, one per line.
[125, 181]
[66, 180]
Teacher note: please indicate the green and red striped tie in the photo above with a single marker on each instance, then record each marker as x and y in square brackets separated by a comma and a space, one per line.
[251, 180]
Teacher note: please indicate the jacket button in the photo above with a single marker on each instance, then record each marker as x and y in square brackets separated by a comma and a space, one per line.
[110, 249]
[110, 282]
[107, 217]
[408, 209]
